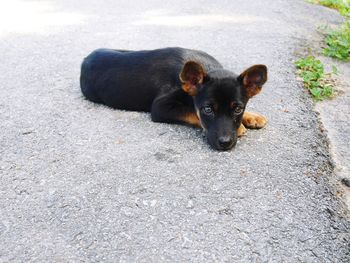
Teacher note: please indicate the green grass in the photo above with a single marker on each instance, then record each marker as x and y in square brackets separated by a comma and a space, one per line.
[343, 6]
[338, 42]
[337, 45]
[315, 79]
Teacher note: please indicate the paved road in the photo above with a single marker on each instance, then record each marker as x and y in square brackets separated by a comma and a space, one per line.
[335, 116]
[82, 182]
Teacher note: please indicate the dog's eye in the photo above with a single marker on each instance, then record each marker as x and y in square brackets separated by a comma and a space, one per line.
[207, 110]
[238, 111]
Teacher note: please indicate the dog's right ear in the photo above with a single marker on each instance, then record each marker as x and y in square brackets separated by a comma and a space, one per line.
[192, 74]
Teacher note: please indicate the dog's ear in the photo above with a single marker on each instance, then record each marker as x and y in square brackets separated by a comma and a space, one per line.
[253, 79]
[192, 74]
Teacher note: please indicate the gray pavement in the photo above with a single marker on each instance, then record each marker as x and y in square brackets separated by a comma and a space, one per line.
[82, 182]
[335, 117]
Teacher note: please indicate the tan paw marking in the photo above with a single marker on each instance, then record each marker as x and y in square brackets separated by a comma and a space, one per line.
[253, 120]
[241, 130]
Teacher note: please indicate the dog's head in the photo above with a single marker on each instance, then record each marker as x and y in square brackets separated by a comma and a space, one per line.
[220, 98]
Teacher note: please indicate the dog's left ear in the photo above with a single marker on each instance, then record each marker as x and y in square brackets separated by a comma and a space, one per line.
[192, 74]
[253, 79]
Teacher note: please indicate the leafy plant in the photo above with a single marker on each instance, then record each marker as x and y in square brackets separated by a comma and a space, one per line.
[319, 83]
[338, 42]
[343, 6]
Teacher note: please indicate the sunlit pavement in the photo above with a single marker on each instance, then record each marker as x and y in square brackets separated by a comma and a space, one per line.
[82, 182]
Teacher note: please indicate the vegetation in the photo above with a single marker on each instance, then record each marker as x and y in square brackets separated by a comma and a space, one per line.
[315, 79]
[338, 42]
[337, 45]
[343, 6]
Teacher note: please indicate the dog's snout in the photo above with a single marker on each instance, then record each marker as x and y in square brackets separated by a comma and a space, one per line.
[225, 141]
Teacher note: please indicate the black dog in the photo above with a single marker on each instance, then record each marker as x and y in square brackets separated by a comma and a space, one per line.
[177, 86]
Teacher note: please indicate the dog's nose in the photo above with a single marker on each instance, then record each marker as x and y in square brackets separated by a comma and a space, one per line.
[225, 141]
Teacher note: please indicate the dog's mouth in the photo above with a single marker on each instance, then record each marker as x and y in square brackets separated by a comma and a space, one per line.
[227, 147]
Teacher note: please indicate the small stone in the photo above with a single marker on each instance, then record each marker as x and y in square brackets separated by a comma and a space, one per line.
[190, 204]
[346, 182]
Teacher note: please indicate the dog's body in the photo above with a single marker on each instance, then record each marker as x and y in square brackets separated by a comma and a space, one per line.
[177, 86]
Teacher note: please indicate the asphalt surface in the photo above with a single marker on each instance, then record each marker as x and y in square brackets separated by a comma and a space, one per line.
[335, 117]
[82, 182]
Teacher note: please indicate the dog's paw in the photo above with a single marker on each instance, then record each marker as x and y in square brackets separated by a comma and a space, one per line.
[241, 130]
[254, 121]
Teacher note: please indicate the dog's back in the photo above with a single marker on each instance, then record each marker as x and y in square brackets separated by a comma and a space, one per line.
[131, 80]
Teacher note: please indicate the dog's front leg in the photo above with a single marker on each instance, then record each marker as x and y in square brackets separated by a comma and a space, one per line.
[241, 130]
[253, 120]
[170, 108]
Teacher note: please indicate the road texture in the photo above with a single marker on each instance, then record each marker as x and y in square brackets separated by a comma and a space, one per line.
[82, 182]
[335, 117]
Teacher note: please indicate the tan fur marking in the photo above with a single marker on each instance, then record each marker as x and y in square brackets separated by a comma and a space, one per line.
[192, 119]
[253, 120]
[251, 91]
[190, 89]
[241, 130]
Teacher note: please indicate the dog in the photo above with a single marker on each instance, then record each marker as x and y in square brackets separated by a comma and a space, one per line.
[176, 85]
